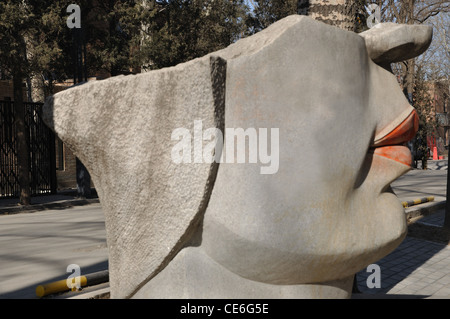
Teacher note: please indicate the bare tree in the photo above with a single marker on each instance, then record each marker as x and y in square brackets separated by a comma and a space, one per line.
[410, 12]
[436, 60]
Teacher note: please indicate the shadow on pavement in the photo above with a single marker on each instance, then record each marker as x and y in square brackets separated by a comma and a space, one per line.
[59, 201]
[411, 255]
[29, 292]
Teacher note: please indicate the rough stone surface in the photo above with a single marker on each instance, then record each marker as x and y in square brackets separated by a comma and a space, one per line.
[121, 130]
[186, 230]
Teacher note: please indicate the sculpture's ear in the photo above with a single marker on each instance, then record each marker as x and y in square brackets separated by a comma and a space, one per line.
[122, 130]
[389, 42]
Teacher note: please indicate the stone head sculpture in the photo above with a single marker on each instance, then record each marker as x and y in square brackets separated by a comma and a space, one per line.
[325, 110]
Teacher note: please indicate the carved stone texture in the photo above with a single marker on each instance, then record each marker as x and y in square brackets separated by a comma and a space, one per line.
[225, 230]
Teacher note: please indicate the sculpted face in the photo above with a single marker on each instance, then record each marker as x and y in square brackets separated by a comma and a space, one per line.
[323, 215]
[328, 211]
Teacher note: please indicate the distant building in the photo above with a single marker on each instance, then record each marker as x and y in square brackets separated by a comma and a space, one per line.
[440, 94]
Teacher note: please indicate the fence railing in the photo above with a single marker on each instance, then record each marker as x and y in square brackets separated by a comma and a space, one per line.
[41, 141]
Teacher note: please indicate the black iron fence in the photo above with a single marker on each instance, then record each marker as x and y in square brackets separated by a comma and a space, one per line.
[41, 141]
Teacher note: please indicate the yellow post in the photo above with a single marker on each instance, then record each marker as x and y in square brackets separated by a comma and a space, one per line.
[57, 286]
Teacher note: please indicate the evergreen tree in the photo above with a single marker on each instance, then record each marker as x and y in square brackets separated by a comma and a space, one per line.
[112, 32]
[30, 35]
[267, 12]
[15, 21]
[177, 31]
[33, 37]
[47, 47]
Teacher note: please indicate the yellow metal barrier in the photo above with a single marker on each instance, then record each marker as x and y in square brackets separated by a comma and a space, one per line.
[61, 285]
[418, 201]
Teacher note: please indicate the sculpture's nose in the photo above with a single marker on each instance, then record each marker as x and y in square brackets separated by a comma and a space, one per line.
[389, 42]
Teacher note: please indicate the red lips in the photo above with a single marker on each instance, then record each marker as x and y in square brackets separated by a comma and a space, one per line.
[392, 145]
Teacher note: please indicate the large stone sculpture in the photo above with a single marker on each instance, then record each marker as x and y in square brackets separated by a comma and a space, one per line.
[331, 121]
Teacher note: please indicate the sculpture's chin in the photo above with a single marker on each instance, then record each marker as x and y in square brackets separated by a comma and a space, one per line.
[317, 238]
[339, 246]
[388, 228]
[379, 224]
[186, 277]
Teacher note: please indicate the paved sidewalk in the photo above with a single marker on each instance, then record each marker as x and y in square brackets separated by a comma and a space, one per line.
[418, 183]
[416, 269]
[36, 248]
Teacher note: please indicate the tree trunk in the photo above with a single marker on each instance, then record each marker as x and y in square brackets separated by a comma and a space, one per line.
[37, 89]
[409, 81]
[23, 152]
[447, 202]
[80, 76]
[35, 81]
[339, 13]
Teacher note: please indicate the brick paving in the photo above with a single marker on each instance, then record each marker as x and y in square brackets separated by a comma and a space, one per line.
[417, 268]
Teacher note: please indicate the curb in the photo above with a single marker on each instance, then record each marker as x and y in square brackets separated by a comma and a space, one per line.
[53, 205]
[427, 209]
[100, 293]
